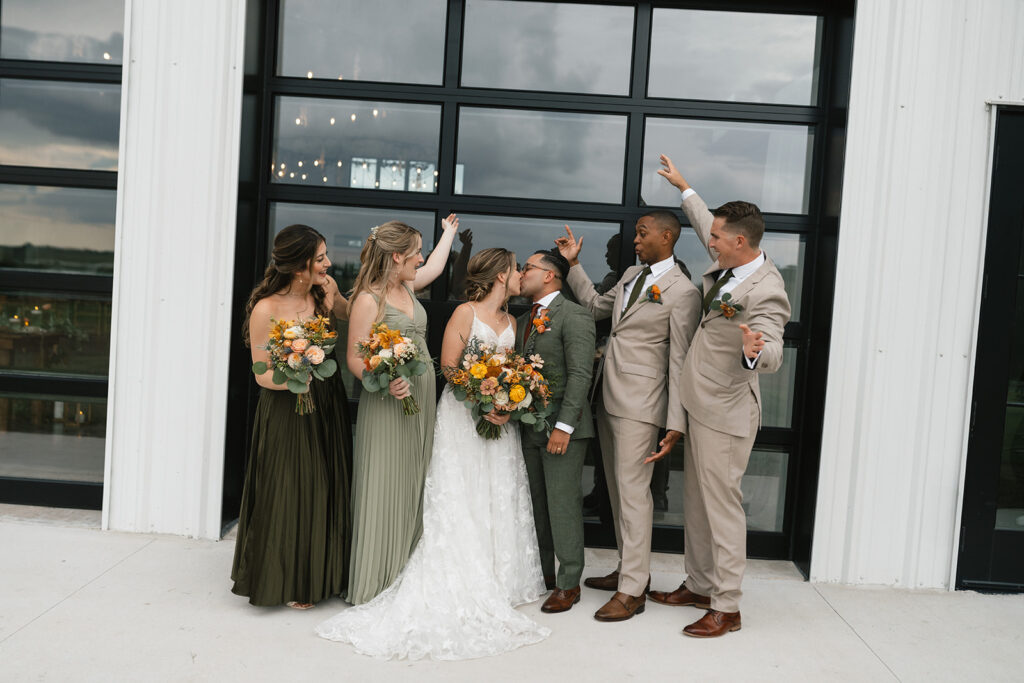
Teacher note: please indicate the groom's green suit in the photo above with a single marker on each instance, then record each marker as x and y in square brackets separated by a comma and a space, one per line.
[567, 347]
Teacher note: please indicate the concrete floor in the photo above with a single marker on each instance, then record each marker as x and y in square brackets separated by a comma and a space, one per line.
[79, 604]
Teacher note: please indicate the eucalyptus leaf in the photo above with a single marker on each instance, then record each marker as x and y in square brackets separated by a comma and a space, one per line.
[327, 368]
[297, 387]
[259, 367]
[279, 377]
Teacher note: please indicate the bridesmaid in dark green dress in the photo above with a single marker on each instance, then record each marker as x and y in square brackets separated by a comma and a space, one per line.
[293, 526]
[392, 449]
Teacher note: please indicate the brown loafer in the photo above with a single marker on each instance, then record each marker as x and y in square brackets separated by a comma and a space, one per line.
[681, 597]
[603, 583]
[714, 624]
[549, 582]
[621, 607]
[561, 600]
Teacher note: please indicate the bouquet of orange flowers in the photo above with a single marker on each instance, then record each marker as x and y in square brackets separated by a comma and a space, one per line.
[492, 379]
[387, 354]
[298, 352]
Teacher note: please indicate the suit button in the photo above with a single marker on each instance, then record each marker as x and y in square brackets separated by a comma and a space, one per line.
[703, 324]
[614, 334]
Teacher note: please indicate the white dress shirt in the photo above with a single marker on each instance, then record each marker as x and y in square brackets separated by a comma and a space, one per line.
[657, 270]
[545, 302]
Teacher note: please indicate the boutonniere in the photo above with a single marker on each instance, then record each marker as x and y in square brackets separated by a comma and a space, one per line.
[726, 305]
[654, 294]
[542, 323]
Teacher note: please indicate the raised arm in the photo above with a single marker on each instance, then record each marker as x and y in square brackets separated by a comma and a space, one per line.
[439, 256]
[599, 305]
[693, 206]
[337, 303]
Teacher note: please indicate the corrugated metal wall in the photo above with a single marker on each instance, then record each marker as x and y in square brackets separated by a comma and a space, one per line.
[911, 247]
[176, 202]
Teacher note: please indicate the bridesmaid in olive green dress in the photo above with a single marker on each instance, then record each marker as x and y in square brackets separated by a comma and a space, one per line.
[391, 449]
[293, 527]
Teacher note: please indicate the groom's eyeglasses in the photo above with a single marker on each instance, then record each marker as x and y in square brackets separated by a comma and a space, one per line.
[527, 267]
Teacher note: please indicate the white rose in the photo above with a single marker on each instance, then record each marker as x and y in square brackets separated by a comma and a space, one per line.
[525, 403]
[401, 348]
[501, 397]
[385, 353]
[499, 358]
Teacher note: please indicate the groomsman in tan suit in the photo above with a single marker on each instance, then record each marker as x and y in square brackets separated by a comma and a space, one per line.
[654, 310]
[745, 311]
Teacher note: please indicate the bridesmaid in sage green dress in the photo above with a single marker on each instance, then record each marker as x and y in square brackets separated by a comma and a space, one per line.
[293, 526]
[392, 449]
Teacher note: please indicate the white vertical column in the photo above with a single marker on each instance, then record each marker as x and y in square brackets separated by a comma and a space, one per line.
[174, 258]
[908, 281]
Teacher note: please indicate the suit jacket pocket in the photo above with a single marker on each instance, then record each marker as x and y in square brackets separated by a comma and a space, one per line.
[637, 369]
[717, 376]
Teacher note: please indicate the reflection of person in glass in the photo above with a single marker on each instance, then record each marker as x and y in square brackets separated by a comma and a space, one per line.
[391, 449]
[554, 462]
[653, 311]
[459, 261]
[738, 338]
[292, 527]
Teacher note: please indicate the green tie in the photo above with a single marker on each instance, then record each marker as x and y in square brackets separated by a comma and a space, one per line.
[638, 287]
[715, 288]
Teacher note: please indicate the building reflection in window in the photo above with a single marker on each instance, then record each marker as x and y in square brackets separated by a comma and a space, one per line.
[53, 438]
[61, 31]
[66, 334]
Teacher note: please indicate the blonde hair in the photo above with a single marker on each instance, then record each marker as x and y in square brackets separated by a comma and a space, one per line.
[483, 269]
[377, 266]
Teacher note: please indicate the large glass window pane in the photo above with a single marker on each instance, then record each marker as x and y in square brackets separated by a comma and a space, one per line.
[541, 155]
[764, 163]
[394, 41]
[524, 236]
[777, 391]
[57, 228]
[54, 438]
[59, 125]
[354, 143]
[62, 31]
[1015, 390]
[764, 489]
[67, 334]
[547, 46]
[786, 250]
[1010, 505]
[734, 56]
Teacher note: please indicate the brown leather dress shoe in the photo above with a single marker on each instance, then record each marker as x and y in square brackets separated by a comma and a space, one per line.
[621, 607]
[714, 624]
[681, 597]
[603, 583]
[549, 582]
[561, 600]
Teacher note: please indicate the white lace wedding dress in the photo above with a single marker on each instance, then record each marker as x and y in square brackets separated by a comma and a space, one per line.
[477, 558]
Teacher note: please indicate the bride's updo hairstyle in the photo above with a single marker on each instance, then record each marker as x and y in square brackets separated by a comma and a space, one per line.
[295, 248]
[483, 269]
[377, 266]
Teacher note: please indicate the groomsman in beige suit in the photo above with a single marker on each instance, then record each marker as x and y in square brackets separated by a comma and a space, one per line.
[654, 310]
[745, 311]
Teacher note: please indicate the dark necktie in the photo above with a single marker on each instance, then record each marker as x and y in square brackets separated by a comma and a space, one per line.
[715, 289]
[529, 324]
[638, 287]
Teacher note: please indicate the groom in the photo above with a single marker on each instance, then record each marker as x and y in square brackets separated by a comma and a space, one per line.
[654, 310]
[562, 333]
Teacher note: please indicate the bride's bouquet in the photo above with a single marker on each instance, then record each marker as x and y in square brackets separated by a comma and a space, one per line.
[298, 352]
[492, 379]
[387, 354]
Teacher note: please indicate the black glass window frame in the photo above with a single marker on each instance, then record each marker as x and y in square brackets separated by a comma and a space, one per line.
[38, 492]
[825, 119]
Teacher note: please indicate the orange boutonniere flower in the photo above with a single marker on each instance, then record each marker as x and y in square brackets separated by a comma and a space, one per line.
[541, 322]
[654, 294]
[726, 305]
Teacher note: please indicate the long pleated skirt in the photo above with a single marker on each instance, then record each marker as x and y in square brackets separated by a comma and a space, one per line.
[390, 460]
[294, 524]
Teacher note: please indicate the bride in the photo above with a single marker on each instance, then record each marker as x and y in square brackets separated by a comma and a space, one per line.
[478, 556]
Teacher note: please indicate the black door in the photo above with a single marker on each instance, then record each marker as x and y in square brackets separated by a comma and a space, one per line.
[992, 536]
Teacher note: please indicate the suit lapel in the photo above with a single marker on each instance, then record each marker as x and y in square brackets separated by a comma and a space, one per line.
[743, 288]
[663, 282]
